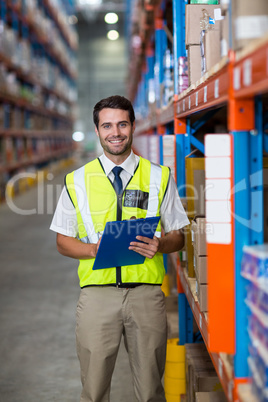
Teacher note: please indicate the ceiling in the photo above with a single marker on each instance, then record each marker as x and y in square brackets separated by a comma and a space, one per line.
[92, 10]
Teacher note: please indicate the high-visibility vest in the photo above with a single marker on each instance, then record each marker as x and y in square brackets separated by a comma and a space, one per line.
[96, 203]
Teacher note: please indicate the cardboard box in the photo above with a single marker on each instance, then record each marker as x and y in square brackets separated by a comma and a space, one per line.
[202, 296]
[189, 252]
[197, 19]
[206, 381]
[200, 264]
[217, 396]
[196, 354]
[194, 64]
[249, 20]
[198, 228]
[201, 380]
[199, 184]
[195, 189]
[212, 44]
[196, 358]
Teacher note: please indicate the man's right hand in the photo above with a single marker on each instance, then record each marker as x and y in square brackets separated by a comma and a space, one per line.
[74, 248]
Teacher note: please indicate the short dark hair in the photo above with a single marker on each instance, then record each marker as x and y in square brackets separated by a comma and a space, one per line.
[113, 102]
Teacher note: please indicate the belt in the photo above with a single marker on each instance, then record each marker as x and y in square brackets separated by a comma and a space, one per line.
[121, 286]
[127, 285]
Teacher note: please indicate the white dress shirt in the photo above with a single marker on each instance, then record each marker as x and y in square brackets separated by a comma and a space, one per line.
[173, 216]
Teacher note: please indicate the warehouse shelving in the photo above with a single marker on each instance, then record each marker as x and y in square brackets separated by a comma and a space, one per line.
[222, 366]
[236, 88]
[37, 109]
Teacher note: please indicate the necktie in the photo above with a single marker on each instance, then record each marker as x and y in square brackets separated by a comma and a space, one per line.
[118, 185]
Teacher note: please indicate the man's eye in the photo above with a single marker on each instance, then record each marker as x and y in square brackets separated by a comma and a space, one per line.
[107, 126]
[123, 125]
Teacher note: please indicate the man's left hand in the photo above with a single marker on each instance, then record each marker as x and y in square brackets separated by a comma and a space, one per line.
[148, 248]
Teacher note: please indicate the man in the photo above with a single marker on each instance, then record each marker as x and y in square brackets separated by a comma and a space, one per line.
[123, 300]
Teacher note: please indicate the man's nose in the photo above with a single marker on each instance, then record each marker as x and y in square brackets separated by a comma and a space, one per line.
[116, 130]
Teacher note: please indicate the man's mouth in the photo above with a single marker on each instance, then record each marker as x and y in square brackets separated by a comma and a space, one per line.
[117, 141]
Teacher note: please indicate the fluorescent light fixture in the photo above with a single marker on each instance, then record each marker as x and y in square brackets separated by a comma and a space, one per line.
[111, 18]
[113, 35]
[89, 2]
[78, 136]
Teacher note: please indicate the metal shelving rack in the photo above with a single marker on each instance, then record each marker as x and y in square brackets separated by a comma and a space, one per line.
[237, 87]
[57, 122]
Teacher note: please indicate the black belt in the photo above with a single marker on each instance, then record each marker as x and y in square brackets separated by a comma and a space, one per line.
[121, 286]
[127, 285]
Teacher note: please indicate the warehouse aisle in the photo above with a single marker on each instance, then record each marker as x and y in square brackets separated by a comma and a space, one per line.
[38, 295]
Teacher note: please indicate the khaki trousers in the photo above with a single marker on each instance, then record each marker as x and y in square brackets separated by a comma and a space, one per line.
[106, 313]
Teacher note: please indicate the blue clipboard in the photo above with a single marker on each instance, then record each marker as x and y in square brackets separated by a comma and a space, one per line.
[113, 249]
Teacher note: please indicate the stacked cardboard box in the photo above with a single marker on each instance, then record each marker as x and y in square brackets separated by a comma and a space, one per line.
[218, 396]
[200, 261]
[249, 21]
[200, 18]
[200, 372]
[195, 195]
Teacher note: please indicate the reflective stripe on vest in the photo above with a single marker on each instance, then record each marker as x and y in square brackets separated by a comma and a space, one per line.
[155, 182]
[83, 206]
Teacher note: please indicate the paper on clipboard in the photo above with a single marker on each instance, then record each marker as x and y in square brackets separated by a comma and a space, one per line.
[114, 245]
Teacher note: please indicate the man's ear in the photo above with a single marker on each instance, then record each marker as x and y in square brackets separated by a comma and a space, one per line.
[96, 131]
[134, 125]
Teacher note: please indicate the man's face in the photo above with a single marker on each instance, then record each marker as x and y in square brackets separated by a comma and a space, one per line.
[115, 131]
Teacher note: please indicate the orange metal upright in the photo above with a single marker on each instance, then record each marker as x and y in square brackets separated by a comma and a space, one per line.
[220, 243]
[179, 124]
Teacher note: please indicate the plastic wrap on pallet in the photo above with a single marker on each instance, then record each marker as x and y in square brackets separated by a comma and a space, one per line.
[183, 65]
[183, 83]
[255, 264]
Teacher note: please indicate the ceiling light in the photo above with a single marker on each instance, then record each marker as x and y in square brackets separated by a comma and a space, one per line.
[78, 136]
[90, 2]
[111, 18]
[113, 35]
[72, 19]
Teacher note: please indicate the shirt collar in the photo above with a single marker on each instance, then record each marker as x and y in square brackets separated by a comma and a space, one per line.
[129, 165]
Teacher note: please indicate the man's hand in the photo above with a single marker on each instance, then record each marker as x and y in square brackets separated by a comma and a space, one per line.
[172, 241]
[97, 246]
[74, 248]
[148, 249]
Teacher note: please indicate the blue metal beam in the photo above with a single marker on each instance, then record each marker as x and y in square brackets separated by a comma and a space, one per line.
[197, 144]
[178, 37]
[187, 141]
[160, 48]
[256, 178]
[161, 159]
[242, 237]
[265, 142]
[180, 156]
[185, 320]
[248, 197]
[200, 122]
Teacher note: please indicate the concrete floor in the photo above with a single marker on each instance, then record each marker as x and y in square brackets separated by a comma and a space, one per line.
[38, 295]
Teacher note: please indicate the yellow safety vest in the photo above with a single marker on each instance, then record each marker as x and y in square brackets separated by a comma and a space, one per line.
[96, 203]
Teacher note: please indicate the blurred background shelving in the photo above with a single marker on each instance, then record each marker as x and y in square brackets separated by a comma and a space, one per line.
[197, 74]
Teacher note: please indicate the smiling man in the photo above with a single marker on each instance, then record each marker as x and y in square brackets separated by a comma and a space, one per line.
[120, 301]
[115, 130]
